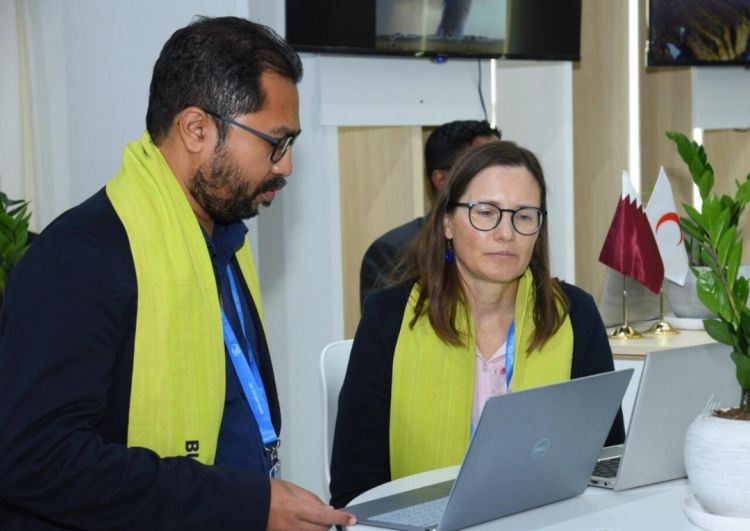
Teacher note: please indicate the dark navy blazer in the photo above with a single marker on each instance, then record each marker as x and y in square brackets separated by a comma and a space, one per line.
[66, 359]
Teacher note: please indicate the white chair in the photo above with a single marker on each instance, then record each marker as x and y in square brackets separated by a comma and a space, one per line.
[333, 361]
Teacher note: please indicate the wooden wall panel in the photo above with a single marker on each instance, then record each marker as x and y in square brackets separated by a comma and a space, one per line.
[381, 187]
[728, 151]
[600, 120]
[601, 127]
[666, 104]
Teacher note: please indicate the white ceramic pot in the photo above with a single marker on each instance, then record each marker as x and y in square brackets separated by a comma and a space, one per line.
[717, 460]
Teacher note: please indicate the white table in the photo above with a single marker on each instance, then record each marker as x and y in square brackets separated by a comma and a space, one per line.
[655, 507]
[637, 348]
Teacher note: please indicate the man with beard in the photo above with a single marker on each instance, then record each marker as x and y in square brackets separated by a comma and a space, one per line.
[136, 387]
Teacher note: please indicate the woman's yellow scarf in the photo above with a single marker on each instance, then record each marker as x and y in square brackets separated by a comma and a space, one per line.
[433, 382]
[178, 385]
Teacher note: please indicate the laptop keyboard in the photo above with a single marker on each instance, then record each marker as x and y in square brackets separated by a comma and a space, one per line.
[606, 468]
[424, 514]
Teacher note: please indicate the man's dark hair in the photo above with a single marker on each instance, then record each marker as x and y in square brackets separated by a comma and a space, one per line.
[447, 143]
[216, 64]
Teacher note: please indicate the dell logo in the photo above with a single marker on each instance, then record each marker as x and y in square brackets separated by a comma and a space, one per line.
[540, 448]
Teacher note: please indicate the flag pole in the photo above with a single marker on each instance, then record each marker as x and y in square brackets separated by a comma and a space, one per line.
[625, 331]
[662, 327]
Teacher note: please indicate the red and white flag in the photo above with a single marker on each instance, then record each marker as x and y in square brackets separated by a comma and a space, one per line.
[630, 247]
[665, 223]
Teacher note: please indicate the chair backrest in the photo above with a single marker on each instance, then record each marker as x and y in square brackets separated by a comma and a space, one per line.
[333, 361]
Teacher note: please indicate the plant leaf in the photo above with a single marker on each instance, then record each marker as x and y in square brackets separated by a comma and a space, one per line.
[706, 257]
[745, 322]
[696, 216]
[705, 181]
[710, 208]
[14, 227]
[684, 147]
[690, 228]
[740, 290]
[706, 288]
[719, 330]
[726, 243]
[718, 224]
[697, 168]
[733, 261]
[742, 362]
[742, 195]
[712, 295]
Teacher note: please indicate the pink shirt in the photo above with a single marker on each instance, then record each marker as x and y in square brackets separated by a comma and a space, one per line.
[489, 380]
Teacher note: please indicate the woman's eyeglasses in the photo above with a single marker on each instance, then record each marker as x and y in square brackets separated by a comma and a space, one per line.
[486, 216]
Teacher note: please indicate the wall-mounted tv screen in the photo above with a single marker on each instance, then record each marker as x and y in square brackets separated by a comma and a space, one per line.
[698, 32]
[515, 29]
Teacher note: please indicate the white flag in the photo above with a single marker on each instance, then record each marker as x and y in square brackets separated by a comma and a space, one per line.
[665, 222]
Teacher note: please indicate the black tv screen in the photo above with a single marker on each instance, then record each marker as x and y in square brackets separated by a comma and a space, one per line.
[515, 29]
[698, 32]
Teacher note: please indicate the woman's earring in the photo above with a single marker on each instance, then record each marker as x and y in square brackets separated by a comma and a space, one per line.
[449, 256]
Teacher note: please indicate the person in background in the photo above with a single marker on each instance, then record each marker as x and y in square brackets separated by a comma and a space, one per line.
[475, 315]
[443, 148]
[136, 386]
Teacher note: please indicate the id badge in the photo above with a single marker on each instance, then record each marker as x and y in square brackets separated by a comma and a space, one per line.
[275, 472]
[273, 456]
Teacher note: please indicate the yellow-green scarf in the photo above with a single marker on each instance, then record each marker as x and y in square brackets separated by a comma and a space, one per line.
[178, 384]
[433, 382]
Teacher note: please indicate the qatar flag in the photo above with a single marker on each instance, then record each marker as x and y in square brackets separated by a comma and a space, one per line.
[630, 247]
[665, 223]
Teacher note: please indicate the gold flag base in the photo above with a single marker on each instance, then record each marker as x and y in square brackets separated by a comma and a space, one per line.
[662, 328]
[625, 332]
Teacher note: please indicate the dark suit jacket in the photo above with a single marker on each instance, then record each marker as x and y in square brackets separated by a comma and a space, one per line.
[66, 359]
[383, 254]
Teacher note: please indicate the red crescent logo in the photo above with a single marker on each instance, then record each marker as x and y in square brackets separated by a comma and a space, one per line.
[670, 216]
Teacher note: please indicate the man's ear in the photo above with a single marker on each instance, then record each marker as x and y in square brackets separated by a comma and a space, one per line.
[195, 129]
[438, 179]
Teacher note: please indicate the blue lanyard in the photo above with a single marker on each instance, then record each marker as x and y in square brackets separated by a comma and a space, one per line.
[247, 372]
[510, 354]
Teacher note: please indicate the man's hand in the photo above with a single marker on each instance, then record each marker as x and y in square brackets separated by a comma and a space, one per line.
[294, 508]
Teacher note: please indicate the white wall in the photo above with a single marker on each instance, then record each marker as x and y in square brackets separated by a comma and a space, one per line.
[11, 159]
[535, 109]
[721, 97]
[300, 268]
[91, 63]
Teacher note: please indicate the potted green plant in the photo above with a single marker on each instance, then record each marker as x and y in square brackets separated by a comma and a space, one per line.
[14, 234]
[717, 445]
[685, 300]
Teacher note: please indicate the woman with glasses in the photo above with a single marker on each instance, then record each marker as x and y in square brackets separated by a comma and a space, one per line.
[474, 314]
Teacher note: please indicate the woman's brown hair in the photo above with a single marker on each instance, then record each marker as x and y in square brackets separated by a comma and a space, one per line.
[425, 261]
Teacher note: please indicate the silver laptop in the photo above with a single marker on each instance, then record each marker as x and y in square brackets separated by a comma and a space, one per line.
[676, 385]
[530, 448]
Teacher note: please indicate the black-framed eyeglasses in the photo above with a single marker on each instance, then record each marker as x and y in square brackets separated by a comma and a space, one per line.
[486, 216]
[280, 145]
